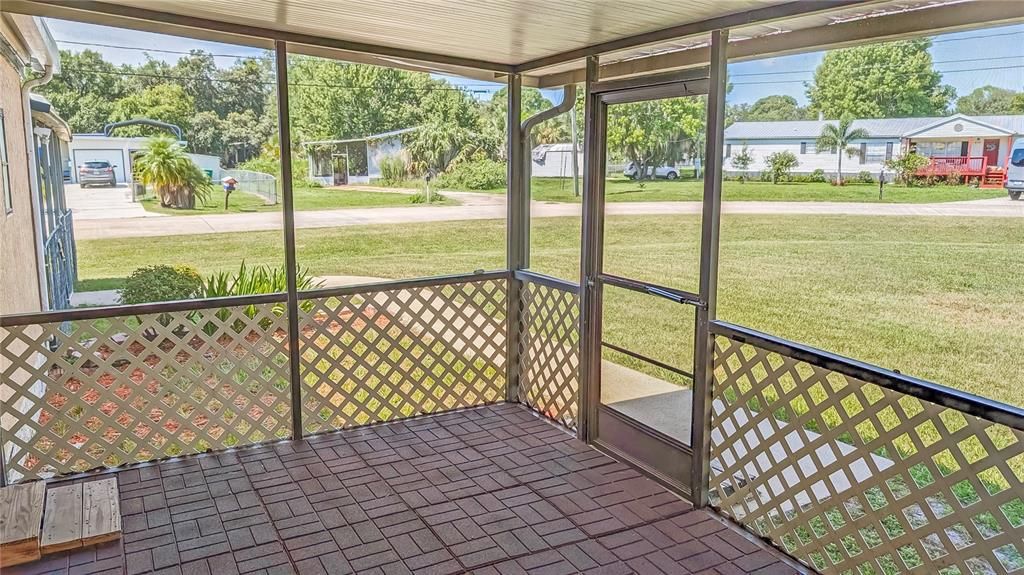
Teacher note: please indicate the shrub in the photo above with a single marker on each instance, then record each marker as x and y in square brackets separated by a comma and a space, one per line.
[421, 197]
[864, 177]
[742, 161]
[906, 166]
[818, 176]
[392, 169]
[161, 283]
[780, 164]
[479, 174]
[255, 280]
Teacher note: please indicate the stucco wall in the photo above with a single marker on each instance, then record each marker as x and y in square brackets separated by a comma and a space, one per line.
[19, 280]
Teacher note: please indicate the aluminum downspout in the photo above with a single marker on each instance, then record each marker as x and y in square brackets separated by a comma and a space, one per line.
[34, 191]
[567, 103]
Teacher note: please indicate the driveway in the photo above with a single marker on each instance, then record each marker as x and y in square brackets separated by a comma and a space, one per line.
[103, 204]
[485, 207]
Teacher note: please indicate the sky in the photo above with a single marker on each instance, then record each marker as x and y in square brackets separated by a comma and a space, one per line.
[968, 60]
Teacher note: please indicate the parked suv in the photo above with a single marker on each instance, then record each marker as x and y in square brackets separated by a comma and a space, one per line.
[97, 172]
[667, 172]
[1015, 171]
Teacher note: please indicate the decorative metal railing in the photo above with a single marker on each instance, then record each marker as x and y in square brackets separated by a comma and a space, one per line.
[102, 387]
[61, 262]
[549, 347]
[855, 469]
[419, 347]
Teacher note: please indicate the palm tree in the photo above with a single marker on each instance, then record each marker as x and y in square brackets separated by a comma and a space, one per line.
[838, 137]
[178, 181]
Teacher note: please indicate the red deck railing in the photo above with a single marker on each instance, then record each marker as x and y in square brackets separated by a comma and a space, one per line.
[963, 165]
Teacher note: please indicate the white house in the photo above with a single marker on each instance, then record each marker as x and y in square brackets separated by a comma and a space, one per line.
[971, 146]
[120, 153]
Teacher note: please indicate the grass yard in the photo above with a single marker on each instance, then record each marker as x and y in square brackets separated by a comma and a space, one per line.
[619, 189]
[305, 199]
[937, 298]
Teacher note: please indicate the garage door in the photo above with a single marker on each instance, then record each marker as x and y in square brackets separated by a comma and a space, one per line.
[115, 157]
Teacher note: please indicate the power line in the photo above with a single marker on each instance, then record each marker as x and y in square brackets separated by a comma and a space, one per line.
[873, 66]
[262, 82]
[163, 51]
[940, 71]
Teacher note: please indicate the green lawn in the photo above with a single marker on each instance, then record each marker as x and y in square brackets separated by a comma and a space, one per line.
[620, 189]
[305, 199]
[937, 298]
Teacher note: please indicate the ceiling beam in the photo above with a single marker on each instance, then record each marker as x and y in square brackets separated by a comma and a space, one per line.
[103, 13]
[949, 18]
[756, 16]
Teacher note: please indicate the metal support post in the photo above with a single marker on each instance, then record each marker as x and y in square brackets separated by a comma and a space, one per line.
[710, 227]
[594, 117]
[290, 262]
[518, 230]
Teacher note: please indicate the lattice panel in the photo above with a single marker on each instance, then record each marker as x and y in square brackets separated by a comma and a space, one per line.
[103, 392]
[549, 352]
[850, 477]
[385, 355]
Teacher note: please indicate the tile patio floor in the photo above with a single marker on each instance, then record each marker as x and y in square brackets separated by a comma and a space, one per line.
[491, 490]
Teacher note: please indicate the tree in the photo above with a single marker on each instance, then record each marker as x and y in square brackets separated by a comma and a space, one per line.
[450, 129]
[85, 90]
[1017, 104]
[987, 100]
[330, 99]
[652, 133]
[743, 160]
[178, 181]
[164, 102]
[780, 164]
[906, 166]
[776, 109]
[195, 74]
[245, 86]
[838, 136]
[887, 80]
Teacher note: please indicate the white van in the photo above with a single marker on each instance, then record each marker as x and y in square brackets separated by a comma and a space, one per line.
[1015, 171]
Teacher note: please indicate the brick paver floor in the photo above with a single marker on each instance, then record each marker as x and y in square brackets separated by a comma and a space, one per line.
[492, 490]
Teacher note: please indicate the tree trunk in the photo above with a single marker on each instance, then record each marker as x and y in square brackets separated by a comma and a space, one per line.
[839, 173]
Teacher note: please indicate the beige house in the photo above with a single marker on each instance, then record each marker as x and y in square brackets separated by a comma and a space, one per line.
[32, 211]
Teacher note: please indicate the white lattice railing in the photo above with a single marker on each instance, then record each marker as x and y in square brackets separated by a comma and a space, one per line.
[852, 469]
[103, 387]
[375, 356]
[549, 347]
[102, 390]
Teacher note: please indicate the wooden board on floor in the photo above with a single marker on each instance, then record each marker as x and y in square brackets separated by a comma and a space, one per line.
[101, 511]
[21, 510]
[62, 521]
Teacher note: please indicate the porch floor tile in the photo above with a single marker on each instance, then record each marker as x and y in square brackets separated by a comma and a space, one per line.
[491, 490]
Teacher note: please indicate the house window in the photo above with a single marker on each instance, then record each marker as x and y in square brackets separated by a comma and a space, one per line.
[888, 151]
[803, 148]
[728, 150]
[863, 151]
[5, 172]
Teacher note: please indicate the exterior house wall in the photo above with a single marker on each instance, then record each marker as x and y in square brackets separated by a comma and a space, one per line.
[811, 160]
[18, 266]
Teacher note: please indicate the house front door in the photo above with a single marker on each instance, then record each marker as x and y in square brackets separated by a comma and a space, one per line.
[990, 149]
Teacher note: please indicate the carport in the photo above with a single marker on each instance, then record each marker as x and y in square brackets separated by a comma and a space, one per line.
[741, 444]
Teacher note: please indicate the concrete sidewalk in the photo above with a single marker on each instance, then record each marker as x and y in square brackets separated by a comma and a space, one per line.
[486, 206]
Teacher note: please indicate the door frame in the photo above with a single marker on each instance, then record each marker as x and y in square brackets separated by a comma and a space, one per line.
[666, 459]
[995, 154]
[598, 95]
